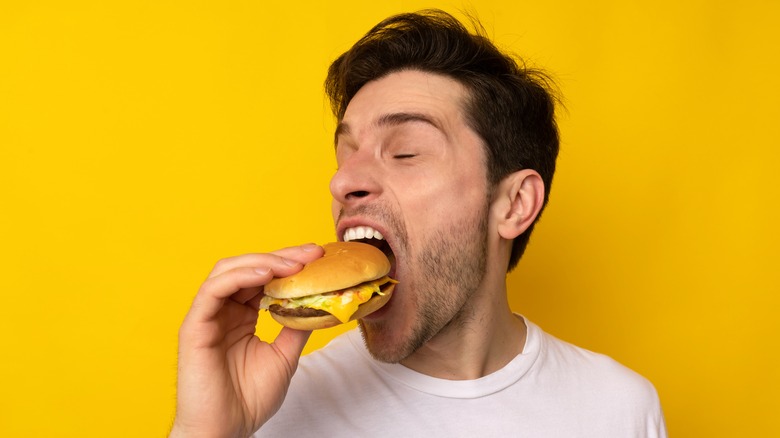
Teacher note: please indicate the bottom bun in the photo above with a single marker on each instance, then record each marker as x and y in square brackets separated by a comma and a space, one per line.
[320, 322]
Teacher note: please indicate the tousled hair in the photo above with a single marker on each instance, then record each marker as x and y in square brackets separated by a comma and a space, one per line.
[511, 107]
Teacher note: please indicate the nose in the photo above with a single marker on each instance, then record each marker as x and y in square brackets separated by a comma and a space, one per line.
[356, 181]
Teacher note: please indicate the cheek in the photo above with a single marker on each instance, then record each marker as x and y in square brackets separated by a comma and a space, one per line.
[335, 210]
[441, 207]
[454, 195]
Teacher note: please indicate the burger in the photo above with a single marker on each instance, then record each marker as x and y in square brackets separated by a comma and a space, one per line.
[348, 282]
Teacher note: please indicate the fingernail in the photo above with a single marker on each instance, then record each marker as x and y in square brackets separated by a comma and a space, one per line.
[309, 247]
[262, 271]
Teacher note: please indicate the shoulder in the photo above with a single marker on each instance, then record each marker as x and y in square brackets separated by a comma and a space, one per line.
[596, 392]
[595, 375]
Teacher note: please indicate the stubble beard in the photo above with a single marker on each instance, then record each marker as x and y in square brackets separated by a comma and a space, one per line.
[450, 268]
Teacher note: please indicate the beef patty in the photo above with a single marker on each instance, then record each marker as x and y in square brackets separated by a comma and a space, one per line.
[297, 312]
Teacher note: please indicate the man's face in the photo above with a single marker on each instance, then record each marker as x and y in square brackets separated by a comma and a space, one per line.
[410, 168]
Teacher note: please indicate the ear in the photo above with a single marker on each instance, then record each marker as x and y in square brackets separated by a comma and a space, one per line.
[518, 200]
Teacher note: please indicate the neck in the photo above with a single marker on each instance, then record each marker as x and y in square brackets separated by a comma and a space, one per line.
[481, 339]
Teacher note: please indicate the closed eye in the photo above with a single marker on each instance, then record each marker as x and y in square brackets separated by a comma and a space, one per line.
[402, 156]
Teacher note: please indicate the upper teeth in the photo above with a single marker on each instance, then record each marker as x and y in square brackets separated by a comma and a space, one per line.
[362, 232]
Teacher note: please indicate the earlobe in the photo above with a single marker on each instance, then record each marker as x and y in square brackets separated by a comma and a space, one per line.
[519, 200]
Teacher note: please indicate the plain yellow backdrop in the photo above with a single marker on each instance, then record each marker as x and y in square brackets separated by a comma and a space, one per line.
[140, 141]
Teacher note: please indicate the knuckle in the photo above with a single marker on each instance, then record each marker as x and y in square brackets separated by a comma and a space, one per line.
[221, 264]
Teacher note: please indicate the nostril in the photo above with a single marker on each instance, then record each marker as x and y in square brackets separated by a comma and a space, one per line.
[357, 194]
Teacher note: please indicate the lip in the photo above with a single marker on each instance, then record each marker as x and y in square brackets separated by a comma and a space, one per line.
[379, 313]
[384, 310]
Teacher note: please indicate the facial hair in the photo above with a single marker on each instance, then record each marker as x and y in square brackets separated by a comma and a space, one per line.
[450, 265]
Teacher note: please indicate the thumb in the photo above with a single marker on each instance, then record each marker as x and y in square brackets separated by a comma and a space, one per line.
[289, 343]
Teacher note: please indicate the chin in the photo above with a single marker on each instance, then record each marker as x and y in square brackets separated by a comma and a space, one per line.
[385, 342]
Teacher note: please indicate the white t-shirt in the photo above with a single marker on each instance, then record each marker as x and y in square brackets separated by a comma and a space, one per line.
[551, 389]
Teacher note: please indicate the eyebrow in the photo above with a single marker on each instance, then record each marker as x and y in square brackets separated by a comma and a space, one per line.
[390, 119]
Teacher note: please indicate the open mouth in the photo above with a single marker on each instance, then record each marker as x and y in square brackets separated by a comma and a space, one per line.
[366, 234]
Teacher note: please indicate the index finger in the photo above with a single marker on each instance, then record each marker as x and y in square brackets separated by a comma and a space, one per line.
[217, 289]
[301, 254]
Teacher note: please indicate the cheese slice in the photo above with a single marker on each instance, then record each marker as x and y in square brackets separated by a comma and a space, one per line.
[341, 304]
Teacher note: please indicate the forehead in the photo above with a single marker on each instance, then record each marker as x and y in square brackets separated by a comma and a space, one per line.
[436, 96]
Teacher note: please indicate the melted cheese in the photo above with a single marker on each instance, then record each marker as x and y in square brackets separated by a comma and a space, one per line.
[341, 304]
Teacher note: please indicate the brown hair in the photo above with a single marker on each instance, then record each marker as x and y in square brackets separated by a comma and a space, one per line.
[509, 106]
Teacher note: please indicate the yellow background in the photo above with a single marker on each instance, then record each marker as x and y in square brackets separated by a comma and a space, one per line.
[140, 141]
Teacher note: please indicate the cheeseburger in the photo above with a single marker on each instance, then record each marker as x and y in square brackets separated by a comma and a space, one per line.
[349, 282]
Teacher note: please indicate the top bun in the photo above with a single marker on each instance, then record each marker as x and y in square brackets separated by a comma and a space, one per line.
[344, 264]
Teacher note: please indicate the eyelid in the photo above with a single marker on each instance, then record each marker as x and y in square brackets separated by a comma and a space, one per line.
[400, 156]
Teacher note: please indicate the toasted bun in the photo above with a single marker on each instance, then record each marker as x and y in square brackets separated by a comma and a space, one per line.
[320, 322]
[344, 264]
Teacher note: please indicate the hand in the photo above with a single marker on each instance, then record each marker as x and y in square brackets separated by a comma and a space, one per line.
[229, 381]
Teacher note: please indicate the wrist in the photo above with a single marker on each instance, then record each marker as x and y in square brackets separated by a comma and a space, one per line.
[181, 431]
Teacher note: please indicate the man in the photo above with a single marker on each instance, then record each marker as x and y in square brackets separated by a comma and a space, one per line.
[447, 148]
